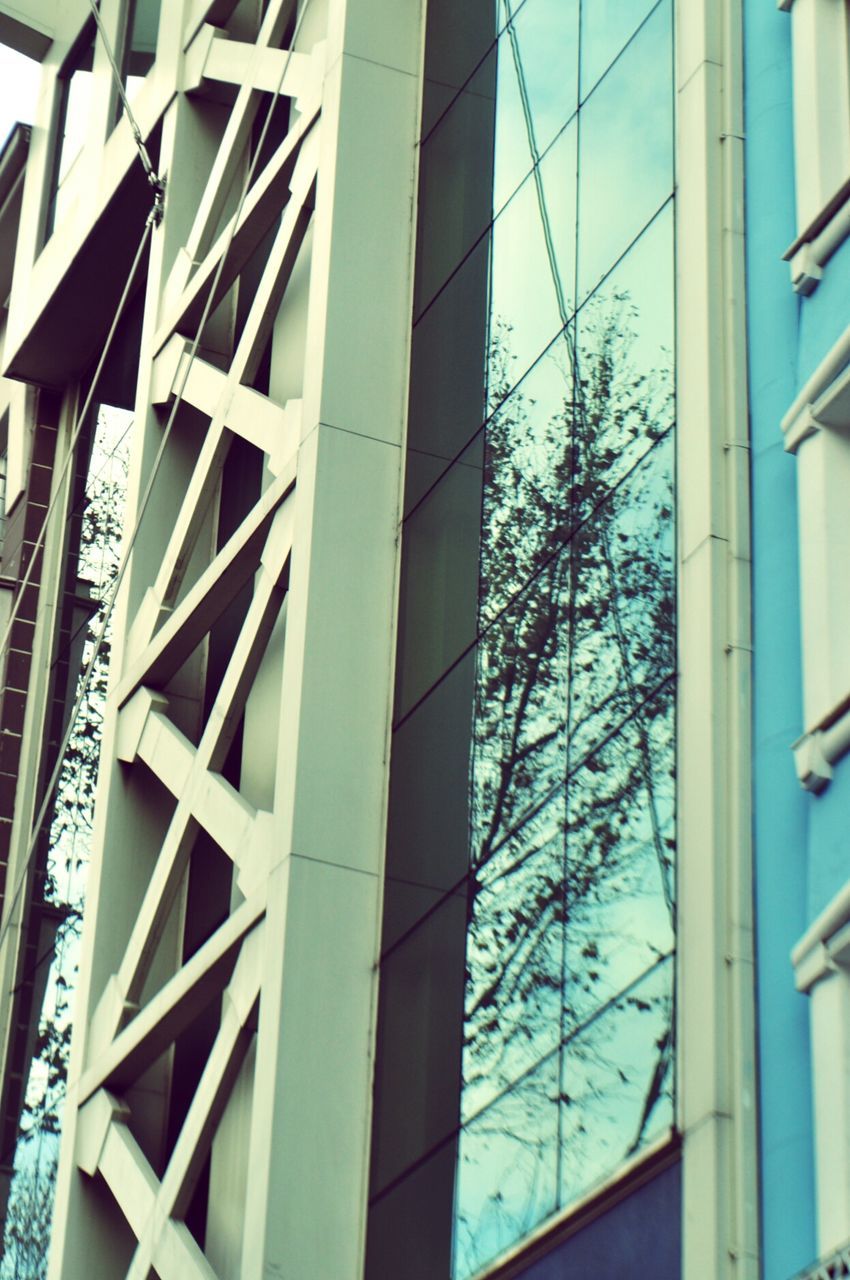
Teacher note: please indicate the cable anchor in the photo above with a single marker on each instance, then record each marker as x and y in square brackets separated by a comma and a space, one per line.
[158, 208]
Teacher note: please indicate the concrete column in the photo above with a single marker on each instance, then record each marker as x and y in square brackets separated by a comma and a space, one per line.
[307, 1189]
[716, 1024]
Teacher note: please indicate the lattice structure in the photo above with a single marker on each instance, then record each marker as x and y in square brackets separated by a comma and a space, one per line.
[245, 734]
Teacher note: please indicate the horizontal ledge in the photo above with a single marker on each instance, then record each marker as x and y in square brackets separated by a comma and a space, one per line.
[820, 221]
[820, 748]
[810, 253]
[825, 946]
[824, 399]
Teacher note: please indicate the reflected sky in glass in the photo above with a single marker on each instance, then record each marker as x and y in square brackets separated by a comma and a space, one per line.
[507, 1170]
[532, 809]
[616, 1085]
[625, 150]
[537, 87]
[619, 861]
[606, 26]
[515, 958]
[623, 633]
[532, 268]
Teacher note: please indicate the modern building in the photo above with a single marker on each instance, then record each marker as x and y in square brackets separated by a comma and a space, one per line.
[436, 794]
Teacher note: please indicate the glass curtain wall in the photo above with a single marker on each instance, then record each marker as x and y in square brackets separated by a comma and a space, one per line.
[525, 1032]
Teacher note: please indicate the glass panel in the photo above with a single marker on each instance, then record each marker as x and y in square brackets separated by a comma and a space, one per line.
[448, 371]
[140, 49]
[521, 709]
[537, 87]
[456, 183]
[428, 821]
[526, 265]
[626, 336]
[626, 150]
[515, 958]
[617, 1084]
[75, 88]
[620, 854]
[417, 1101]
[439, 583]
[531, 837]
[457, 38]
[606, 26]
[623, 641]
[533, 268]
[507, 1170]
[410, 1226]
[527, 478]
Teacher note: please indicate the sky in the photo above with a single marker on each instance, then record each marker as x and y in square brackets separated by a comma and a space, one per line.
[18, 89]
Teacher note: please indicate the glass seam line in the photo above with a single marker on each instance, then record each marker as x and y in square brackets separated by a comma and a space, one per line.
[580, 101]
[527, 817]
[544, 564]
[421, 1160]
[500, 29]
[576, 315]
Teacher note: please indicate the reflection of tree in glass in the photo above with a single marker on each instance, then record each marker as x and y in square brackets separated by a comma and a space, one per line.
[572, 784]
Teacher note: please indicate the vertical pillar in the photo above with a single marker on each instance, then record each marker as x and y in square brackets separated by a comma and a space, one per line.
[307, 1190]
[716, 979]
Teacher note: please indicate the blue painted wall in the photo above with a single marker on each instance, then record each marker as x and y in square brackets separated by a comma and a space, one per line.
[785, 339]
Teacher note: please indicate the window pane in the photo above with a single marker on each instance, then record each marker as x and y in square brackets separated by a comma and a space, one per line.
[606, 26]
[428, 822]
[515, 958]
[497, 314]
[619, 859]
[626, 149]
[410, 1226]
[528, 496]
[617, 1084]
[140, 48]
[521, 701]
[421, 1015]
[448, 385]
[507, 1170]
[626, 336]
[439, 584]
[537, 87]
[623, 642]
[457, 39]
[532, 271]
[456, 183]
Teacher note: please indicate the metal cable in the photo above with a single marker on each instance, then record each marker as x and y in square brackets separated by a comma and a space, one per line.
[152, 176]
[75, 435]
[143, 505]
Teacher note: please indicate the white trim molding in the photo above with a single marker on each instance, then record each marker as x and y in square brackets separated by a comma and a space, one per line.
[813, 247]
[815, 753]
[821, 961]
[821, 58]
[716, 1020]
[817, 431]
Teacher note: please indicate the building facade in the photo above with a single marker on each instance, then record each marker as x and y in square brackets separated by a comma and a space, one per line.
[798, 114]
[419, 935]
